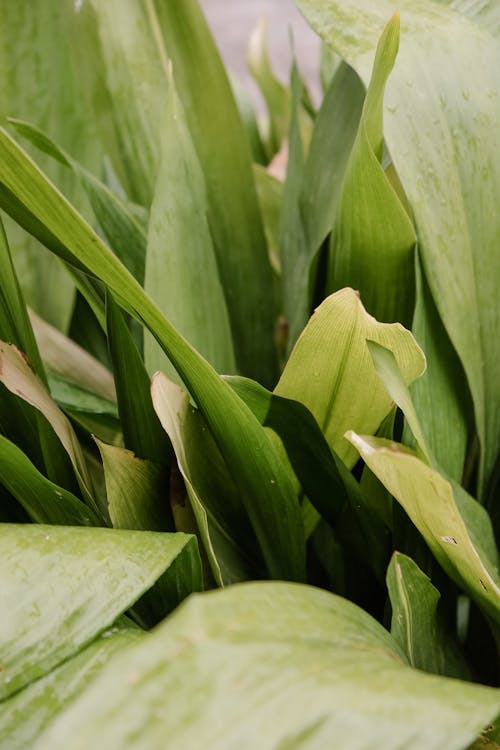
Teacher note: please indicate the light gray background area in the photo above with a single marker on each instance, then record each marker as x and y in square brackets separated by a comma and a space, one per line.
[232, 22]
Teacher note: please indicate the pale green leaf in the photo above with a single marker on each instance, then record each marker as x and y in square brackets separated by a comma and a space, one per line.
[417, 624]
[126, 78]
[270, 665]
[40, 83]
[429, 501]
[180, 256]
[62, 586]
[276, 95]
[136, 489]
[224, 153]
[62, 356]
[390, 374]
[331, 143]
[331, 370]
[17, 376]
[373, 239]
[441, 397]
[441, 124]
[226, 534]
[27, 713]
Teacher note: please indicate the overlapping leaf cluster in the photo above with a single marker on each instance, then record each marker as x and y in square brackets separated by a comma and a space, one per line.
[206, 322]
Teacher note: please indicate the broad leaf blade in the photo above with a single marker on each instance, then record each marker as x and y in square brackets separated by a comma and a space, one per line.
[62, 586]
[331, 371]
[26, 714]
[267, 666]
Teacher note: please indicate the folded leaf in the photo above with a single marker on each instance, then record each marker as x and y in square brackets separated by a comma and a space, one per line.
[62, 586]
[417, 625]
[331, 371]
[429, 501]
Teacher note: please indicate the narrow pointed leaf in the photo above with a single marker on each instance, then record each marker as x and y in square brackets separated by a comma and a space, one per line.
[331, 143]
[142, 431]
[180, 252]
[17, 376]
[222, 521]
[119, 225]
[235, 220]
[62, 356]
[44, 501]
[417, 625]
[441, 396]
[373, 238]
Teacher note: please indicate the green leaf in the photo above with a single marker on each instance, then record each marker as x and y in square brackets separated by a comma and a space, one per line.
[276, 96]
[62, 586]
[331, 371]
[127, 84]
[26, 714]
[294, 258]
[223, 524]
[446, 155]
[328, 485]
[119, 225]
[270, 193]
[137, 490]
[373, 238]
[441, 396]
[417, 624]
[142, 431]
[40, 83]
[429, 501]
[17, 376]
[224, 153]
[15, 325]
[44, 501]
[264, 483]
[63, 358]
[390, 374]
[271, 665]
[180, 253]
[331, 143]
